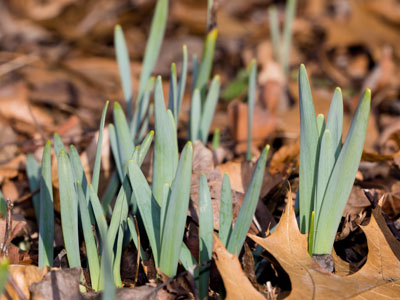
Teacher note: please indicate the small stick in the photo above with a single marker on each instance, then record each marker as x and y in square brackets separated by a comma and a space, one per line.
[138, 251]
[27, 196]
[190, 272]
[16, 287]
[7, 233]
[374, 202]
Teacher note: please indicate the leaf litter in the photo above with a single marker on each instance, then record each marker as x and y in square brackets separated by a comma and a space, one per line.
[64, 49]
[379, 277]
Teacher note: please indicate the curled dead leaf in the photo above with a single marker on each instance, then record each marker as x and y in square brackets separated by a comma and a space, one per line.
[58, 284]
[379, 277]
[236, 283]
[23, 277]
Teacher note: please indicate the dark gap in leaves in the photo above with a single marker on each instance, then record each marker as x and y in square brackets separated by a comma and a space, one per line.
[267, 268]
[353, 249]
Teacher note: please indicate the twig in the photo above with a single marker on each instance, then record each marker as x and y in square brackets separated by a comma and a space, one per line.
[190, 272]
[17, 63]
[138, 251]
[7, 233]
[27, 196]
[374, 202]
[16, 288]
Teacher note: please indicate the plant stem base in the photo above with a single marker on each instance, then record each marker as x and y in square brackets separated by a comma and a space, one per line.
[325, 261]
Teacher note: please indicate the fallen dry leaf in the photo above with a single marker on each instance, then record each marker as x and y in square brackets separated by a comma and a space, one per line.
[23, 276]
[237, 285]
[58, 284]
[40, 10]
[240, 174]
[285, 159]
[19, 227]
[354, 212]
[16, 108]
[378, 278]
[354, 29]
[8, 149]
[203, 162]
[147, 292]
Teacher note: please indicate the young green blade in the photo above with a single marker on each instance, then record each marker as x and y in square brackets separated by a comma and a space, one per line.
[186, 258]
[165, 145]
[320, 125]
[216, 139]
[287, 34]
[164, 204]
[125, 143]
[175, 215]
[58, 143]
[153, 44]
[90, 243]
[33, 170]
[325, 166]
[308, 150]
[195, 71]
[311, 234]
[225, 214]
[134, 235]
[335, 120]
[3, 205]
[98, 212]
[318, 186]
[148, 207]
[4, 263]
[135, 155]
[144, 147]
[206, 61]
[69, 209]
[342, 179]
[120, 212]
[173, 93]
[274, 31]
[97, 160]
[206, 230]
[46, 206]
[124, 67]
[248, 207]
[208, 109]
[195, 116]
[114, 149]
[106, 279]
[142, 108]
[111, 190]
[251, 100]
[182, 79]
[77, 169]
[237, 87]
[144, 129]
[118, 255]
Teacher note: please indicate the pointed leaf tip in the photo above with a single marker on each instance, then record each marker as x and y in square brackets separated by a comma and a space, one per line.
[117, 105]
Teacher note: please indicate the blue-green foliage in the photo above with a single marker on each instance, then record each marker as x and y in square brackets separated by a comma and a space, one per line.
[327, 170]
